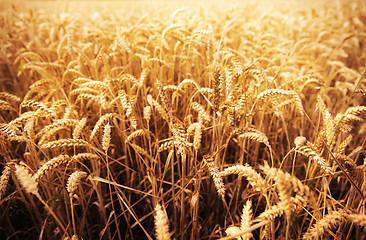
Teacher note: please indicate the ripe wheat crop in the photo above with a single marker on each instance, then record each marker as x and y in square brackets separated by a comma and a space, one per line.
[182, 120]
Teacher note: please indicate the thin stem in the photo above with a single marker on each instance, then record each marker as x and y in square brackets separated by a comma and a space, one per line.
[49, 209]
[72, 215]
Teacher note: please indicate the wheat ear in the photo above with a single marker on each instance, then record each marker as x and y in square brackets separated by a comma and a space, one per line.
[135, 134]
[359, 219]
[4, 180]
[329, 221]
[79, 128]
[217, 178]
[73, 182]
[70, 142]
[161, 223]
[254, 178]
[31, 186]
[106, 140]
[302, 146]
[247, 219]
[51, 164]
[102, 120]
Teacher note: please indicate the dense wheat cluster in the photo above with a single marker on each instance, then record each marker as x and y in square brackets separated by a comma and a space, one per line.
[163, 120]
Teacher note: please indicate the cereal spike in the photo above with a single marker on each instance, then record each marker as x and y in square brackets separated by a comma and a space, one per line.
[30, 184]
[161, 223]
[51, 164]
[70, 142]
[106, 140]
[216, 175]
[4, 180]
[254, 178]
[73, 182]
[302, 146]
[329, 221]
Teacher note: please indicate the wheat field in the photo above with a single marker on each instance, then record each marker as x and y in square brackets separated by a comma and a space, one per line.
[182, 119]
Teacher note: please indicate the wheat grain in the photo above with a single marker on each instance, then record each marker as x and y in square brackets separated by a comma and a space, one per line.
[286, 185]
[147, 113]
[247, 219]
[274, 211]
[188, 82]
[202, 114]
[84, 156]
[60, 123]
[166, 146]
[259, 137]
[5, 106]
[49, 134]
[233, 231]
[10, 96]
[164, 98]
[274, 93]
[126, 104]
[83, 90]
[217, 79]
[163, 113]
[328, 121]
[341, 149]
[5, 143]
